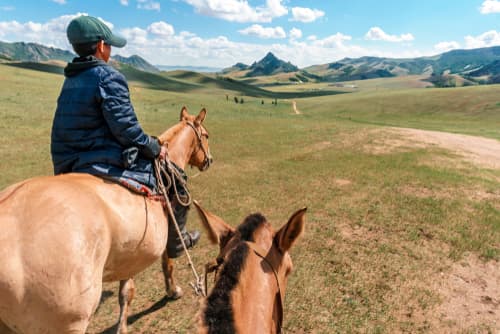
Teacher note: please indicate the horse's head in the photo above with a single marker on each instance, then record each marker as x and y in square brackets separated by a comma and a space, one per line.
[194, 136]
[253, 256]
[201, 156]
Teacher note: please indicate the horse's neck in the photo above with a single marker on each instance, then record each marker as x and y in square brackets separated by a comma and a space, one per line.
[253, 299]
[180, 144]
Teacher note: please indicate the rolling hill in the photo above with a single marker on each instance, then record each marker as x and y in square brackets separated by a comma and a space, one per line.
[136, 62]
[453, 68]
[33, 52]
[37, 53]
[465, 63]
[471, 66]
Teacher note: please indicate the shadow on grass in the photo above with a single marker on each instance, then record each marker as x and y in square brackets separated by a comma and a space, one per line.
[133, 318]
[105, 295]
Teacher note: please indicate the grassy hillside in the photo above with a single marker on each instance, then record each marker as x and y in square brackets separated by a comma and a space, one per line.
[383, 226]
[468, 110]
[33, 52]
[42, 67]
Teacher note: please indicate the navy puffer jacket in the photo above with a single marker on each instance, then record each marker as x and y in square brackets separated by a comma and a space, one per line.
[95, 129]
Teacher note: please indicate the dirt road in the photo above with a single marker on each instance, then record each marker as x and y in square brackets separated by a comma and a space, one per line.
[484, 152]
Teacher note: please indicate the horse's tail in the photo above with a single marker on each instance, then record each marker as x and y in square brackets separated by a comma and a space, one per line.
[11, 190]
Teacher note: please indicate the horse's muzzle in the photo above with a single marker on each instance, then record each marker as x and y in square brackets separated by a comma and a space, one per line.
[206, 163]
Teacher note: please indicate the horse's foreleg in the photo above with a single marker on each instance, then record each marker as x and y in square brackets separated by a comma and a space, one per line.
[167, 264]
[127, 291]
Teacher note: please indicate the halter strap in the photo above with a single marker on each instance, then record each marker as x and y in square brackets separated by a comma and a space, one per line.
[206, 160]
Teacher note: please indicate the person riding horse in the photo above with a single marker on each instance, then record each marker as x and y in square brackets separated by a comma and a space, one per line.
[95, 129]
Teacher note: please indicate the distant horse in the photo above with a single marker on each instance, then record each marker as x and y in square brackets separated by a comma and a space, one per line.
[62, 236]
[252, 270]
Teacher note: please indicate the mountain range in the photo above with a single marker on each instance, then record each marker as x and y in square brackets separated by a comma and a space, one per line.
[470, 66]
[37, 53]
[269, 65]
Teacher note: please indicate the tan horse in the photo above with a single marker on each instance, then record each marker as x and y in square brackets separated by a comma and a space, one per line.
[62, 236]
[252, 272]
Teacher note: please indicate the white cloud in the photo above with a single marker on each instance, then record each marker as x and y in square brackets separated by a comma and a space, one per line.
[490, 6]
[377, 34]
[333, 41]
[51, 33]
[135, 35]
[186, 34]
[124, 2]
[61, 2]
[261, 32]
[239, 10]
[148, 5]
[489, 38]
[446, 46]
[276, 8]
[306, 15]
[161, 29]
[295, 33]
[7, 8]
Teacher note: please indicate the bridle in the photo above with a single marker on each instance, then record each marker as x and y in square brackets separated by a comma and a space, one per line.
[214, 266]
[208, 158]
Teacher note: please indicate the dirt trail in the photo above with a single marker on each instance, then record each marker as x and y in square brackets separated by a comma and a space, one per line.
[481, 151]
[470, 291]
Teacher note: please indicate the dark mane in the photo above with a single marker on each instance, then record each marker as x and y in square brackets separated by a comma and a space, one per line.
[218, 315]
[249, 225]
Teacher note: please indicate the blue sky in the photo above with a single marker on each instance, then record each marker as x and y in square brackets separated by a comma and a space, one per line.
[219, 33]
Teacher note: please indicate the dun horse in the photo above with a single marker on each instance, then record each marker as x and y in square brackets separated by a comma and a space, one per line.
[252, 270]
[62, 236]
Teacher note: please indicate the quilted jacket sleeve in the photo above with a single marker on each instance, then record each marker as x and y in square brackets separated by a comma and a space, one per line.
[120, 115]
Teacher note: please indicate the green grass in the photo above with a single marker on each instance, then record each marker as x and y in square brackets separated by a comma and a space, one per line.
[379, 227]
[467, 110]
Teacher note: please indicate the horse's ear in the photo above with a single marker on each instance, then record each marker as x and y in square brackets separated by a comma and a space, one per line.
[184, 114]
[291, 231]
[201, 117]
[216, 228]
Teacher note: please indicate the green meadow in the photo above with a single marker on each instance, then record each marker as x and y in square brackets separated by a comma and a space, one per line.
[383, 224]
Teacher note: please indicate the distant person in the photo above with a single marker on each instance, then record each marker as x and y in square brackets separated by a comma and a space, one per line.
[95, 128]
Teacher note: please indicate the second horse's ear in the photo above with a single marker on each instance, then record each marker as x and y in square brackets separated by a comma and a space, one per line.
[291, 231]
[201, 117]
[184, 114]
[217, 229]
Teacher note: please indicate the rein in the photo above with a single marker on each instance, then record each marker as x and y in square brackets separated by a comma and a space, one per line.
[163, 169]
[214, 265]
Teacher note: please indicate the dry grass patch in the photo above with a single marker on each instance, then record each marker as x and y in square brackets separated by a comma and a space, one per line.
[470, 291]
[474, 193]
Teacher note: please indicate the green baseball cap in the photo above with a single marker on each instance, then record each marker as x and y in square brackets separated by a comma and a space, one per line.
[88, 29]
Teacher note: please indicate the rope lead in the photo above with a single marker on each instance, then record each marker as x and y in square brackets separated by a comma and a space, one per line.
[172, 175]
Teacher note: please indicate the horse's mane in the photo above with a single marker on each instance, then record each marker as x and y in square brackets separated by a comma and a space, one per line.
[249, 225]
[218, 315]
